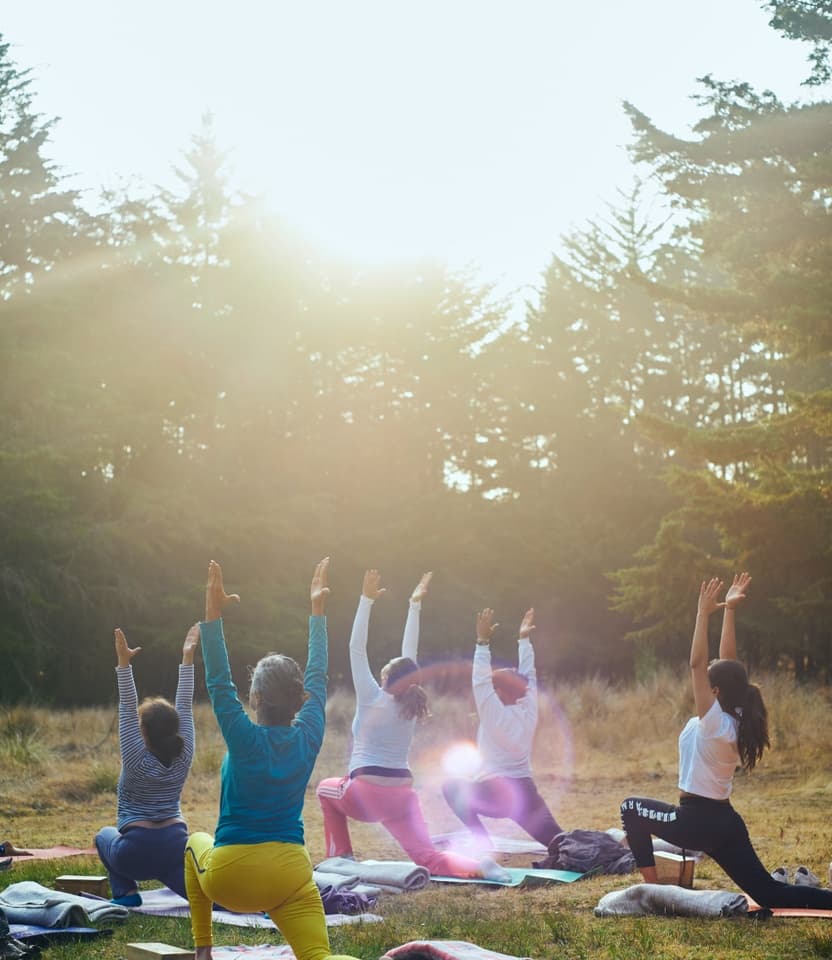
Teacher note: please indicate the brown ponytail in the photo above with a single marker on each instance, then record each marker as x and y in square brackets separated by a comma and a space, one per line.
[402, 683]
[752, 737]
[744, 702]
[159, 723]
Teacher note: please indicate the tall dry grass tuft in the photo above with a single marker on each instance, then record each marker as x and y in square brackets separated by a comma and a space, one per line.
[21, 745]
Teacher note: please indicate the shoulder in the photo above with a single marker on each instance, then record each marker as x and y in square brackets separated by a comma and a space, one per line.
[716, 724]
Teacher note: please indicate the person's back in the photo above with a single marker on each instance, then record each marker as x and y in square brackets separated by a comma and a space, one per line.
[157, 746]
[257, 863]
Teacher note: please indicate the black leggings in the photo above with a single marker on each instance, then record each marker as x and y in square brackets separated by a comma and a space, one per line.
[715, 827]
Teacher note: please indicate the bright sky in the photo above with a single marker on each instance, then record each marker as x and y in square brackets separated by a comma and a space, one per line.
[477, 131]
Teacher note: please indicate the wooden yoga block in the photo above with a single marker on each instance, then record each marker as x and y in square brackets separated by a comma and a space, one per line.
[673, 868]
[74, 883]
[157, 951]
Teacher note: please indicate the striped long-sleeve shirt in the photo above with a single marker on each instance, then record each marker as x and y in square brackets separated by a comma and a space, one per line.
[147, 789]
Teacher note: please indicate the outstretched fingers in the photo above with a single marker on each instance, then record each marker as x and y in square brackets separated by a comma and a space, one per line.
[371, 588]
[485, 624]
[421, 590]
[527, 624]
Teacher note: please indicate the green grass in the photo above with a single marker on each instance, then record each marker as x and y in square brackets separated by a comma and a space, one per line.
[596, 743]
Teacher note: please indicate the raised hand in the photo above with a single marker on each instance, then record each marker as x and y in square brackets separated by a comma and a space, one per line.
[708, 593]
[736, 592]
[527, 624]
[124, 653]
[190, 645]
[421, 589]
[485, 624]
[370, 587]
[318, 590]
[215, 596]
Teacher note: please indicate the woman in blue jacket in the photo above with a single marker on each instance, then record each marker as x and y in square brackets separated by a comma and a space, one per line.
[257, 861]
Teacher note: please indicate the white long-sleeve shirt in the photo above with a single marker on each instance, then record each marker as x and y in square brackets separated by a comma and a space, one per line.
[505, 733]
[381, 735]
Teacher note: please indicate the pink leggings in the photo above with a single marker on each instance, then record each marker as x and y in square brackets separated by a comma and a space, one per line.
[397, 809]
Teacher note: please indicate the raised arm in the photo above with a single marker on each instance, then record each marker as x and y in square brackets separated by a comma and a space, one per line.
[525, 650]
[185, 690]
[484, 694]
[235, 725]
[703, 694]
[312, 715]
[130, 737]
[410, 640]
[365, 684]
[734, 597]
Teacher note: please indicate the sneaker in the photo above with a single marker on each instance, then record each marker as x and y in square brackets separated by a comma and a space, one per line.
[781, 874]
[129, 900]
[491, 870]
[804, 877]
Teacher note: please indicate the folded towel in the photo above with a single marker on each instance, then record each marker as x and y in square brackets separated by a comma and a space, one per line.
[390, 875]
[340, 881]
[31, 903]
[445, 950]
[643, 899]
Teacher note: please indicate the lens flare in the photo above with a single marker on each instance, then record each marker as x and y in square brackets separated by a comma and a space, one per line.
[461, 760]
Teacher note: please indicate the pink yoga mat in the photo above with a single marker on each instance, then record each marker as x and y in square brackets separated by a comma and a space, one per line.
[55, 853]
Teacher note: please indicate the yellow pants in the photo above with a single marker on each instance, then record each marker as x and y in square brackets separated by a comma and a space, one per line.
[275, 878]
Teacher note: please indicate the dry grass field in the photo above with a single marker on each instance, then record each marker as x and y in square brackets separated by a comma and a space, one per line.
[596, 743]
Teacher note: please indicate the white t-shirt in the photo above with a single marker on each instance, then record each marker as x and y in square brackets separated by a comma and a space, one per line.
[381, 735]
[708, 754]
[505, 733]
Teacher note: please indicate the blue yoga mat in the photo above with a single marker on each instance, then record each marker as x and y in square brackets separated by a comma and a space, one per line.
[519, 876]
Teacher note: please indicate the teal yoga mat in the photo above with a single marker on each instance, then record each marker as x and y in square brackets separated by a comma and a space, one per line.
[520, 876]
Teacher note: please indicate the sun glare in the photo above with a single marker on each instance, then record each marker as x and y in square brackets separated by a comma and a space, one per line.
[461, 759]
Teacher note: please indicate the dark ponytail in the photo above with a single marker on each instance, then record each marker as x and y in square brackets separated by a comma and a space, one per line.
[160, 728]
[402, 683]
[744, 702]
[752, 737]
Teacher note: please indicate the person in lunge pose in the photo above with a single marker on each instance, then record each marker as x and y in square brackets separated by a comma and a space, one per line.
[506, 702]
[257, 860]
[157, 746]
[379, 785]
[730, 728]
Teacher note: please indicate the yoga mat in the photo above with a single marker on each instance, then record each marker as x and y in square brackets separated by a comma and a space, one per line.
[813, 912]
[165, 903]
[262, 951]
[56, 853]
[520, 876]
[462, 840]
[445, 950]
[36, 934]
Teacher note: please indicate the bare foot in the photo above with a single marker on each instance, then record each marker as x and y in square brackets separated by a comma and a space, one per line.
[202, 953]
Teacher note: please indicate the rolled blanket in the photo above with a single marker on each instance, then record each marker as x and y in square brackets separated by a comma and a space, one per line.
[338, 881]
[390, 875]
[32, 903]
[644, 899]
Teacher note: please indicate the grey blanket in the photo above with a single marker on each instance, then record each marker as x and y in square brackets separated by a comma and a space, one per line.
[343, 882]
[643, 899]
[393, 876]
[31, 903]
